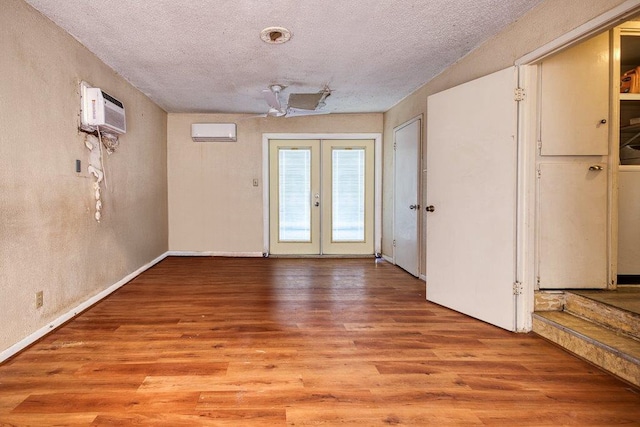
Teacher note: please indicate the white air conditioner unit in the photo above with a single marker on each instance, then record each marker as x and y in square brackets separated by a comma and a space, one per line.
[99, 109]
[213, 132]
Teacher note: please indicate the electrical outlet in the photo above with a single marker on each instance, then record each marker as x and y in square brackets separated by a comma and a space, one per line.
[39, 299]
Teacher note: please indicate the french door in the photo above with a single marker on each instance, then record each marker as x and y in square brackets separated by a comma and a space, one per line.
[321, 197]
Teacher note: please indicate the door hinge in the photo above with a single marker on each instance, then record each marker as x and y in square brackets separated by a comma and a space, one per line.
[394, 243]
[518, 289]
[538, 173]
[395, 145]
[518, 94]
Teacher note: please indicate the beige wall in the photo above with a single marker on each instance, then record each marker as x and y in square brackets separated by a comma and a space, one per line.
[49, 240]
[546, 22]
[213, 206]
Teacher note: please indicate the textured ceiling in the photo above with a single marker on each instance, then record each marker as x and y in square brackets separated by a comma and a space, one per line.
[207, 55]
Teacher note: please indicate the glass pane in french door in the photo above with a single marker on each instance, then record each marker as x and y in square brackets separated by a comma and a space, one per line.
[348, 195]
[294, 193]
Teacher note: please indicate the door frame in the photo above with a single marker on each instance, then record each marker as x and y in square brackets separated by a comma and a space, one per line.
[527, 132]
[421, 250]
[377, 220]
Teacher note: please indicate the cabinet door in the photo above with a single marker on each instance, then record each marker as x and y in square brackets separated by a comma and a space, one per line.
[629, 220]
[574, 97]
[572, 225]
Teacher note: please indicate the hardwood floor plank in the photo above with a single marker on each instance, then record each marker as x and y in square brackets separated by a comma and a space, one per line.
[295, 342]
[64, 403]
[390, 415]
[218, 418]
[203, 383]
[47, 420]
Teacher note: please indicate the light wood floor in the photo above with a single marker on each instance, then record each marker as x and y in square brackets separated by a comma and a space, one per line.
[275, 342]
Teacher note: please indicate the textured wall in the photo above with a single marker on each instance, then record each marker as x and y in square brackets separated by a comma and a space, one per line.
[546, 22]
[213, 205]
[49, 240]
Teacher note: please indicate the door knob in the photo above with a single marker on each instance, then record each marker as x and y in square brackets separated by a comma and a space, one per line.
[414, 207]
[595, 168]
[430, 208]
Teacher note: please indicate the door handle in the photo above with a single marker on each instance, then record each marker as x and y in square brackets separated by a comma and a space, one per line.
[414, 207]
[595, 168]
[430, 208]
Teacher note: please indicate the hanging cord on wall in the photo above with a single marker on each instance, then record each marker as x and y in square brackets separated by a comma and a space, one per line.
[104, 171]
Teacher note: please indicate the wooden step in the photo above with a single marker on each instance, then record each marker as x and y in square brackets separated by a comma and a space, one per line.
[614, 352]
[617, 319]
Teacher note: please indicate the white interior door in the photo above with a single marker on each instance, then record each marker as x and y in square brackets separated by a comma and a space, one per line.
[406, 207]
[572, 225]
[471, 185]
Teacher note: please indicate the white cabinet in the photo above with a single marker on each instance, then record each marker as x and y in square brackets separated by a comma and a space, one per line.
[572, 165]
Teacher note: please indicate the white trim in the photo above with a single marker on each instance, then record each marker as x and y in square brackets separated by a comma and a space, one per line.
[265, 195]
[377, 137]
[50, 327]
[216, 254]
[608, 19]
[388, 259]
[377, 209]
[525, 232]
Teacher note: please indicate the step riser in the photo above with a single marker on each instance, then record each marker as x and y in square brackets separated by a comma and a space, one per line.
[608, 316]
[598, 355]
[549, 301]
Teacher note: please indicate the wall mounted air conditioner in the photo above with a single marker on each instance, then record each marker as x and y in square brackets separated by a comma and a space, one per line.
[99, 109]
[213, 132]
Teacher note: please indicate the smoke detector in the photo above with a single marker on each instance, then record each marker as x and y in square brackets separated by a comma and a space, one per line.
[275, 35]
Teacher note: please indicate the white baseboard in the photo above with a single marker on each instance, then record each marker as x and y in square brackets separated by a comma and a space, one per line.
[214, 253]
[388, 259]
[27, 341]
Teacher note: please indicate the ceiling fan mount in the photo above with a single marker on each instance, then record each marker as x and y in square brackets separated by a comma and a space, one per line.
[299, 104]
